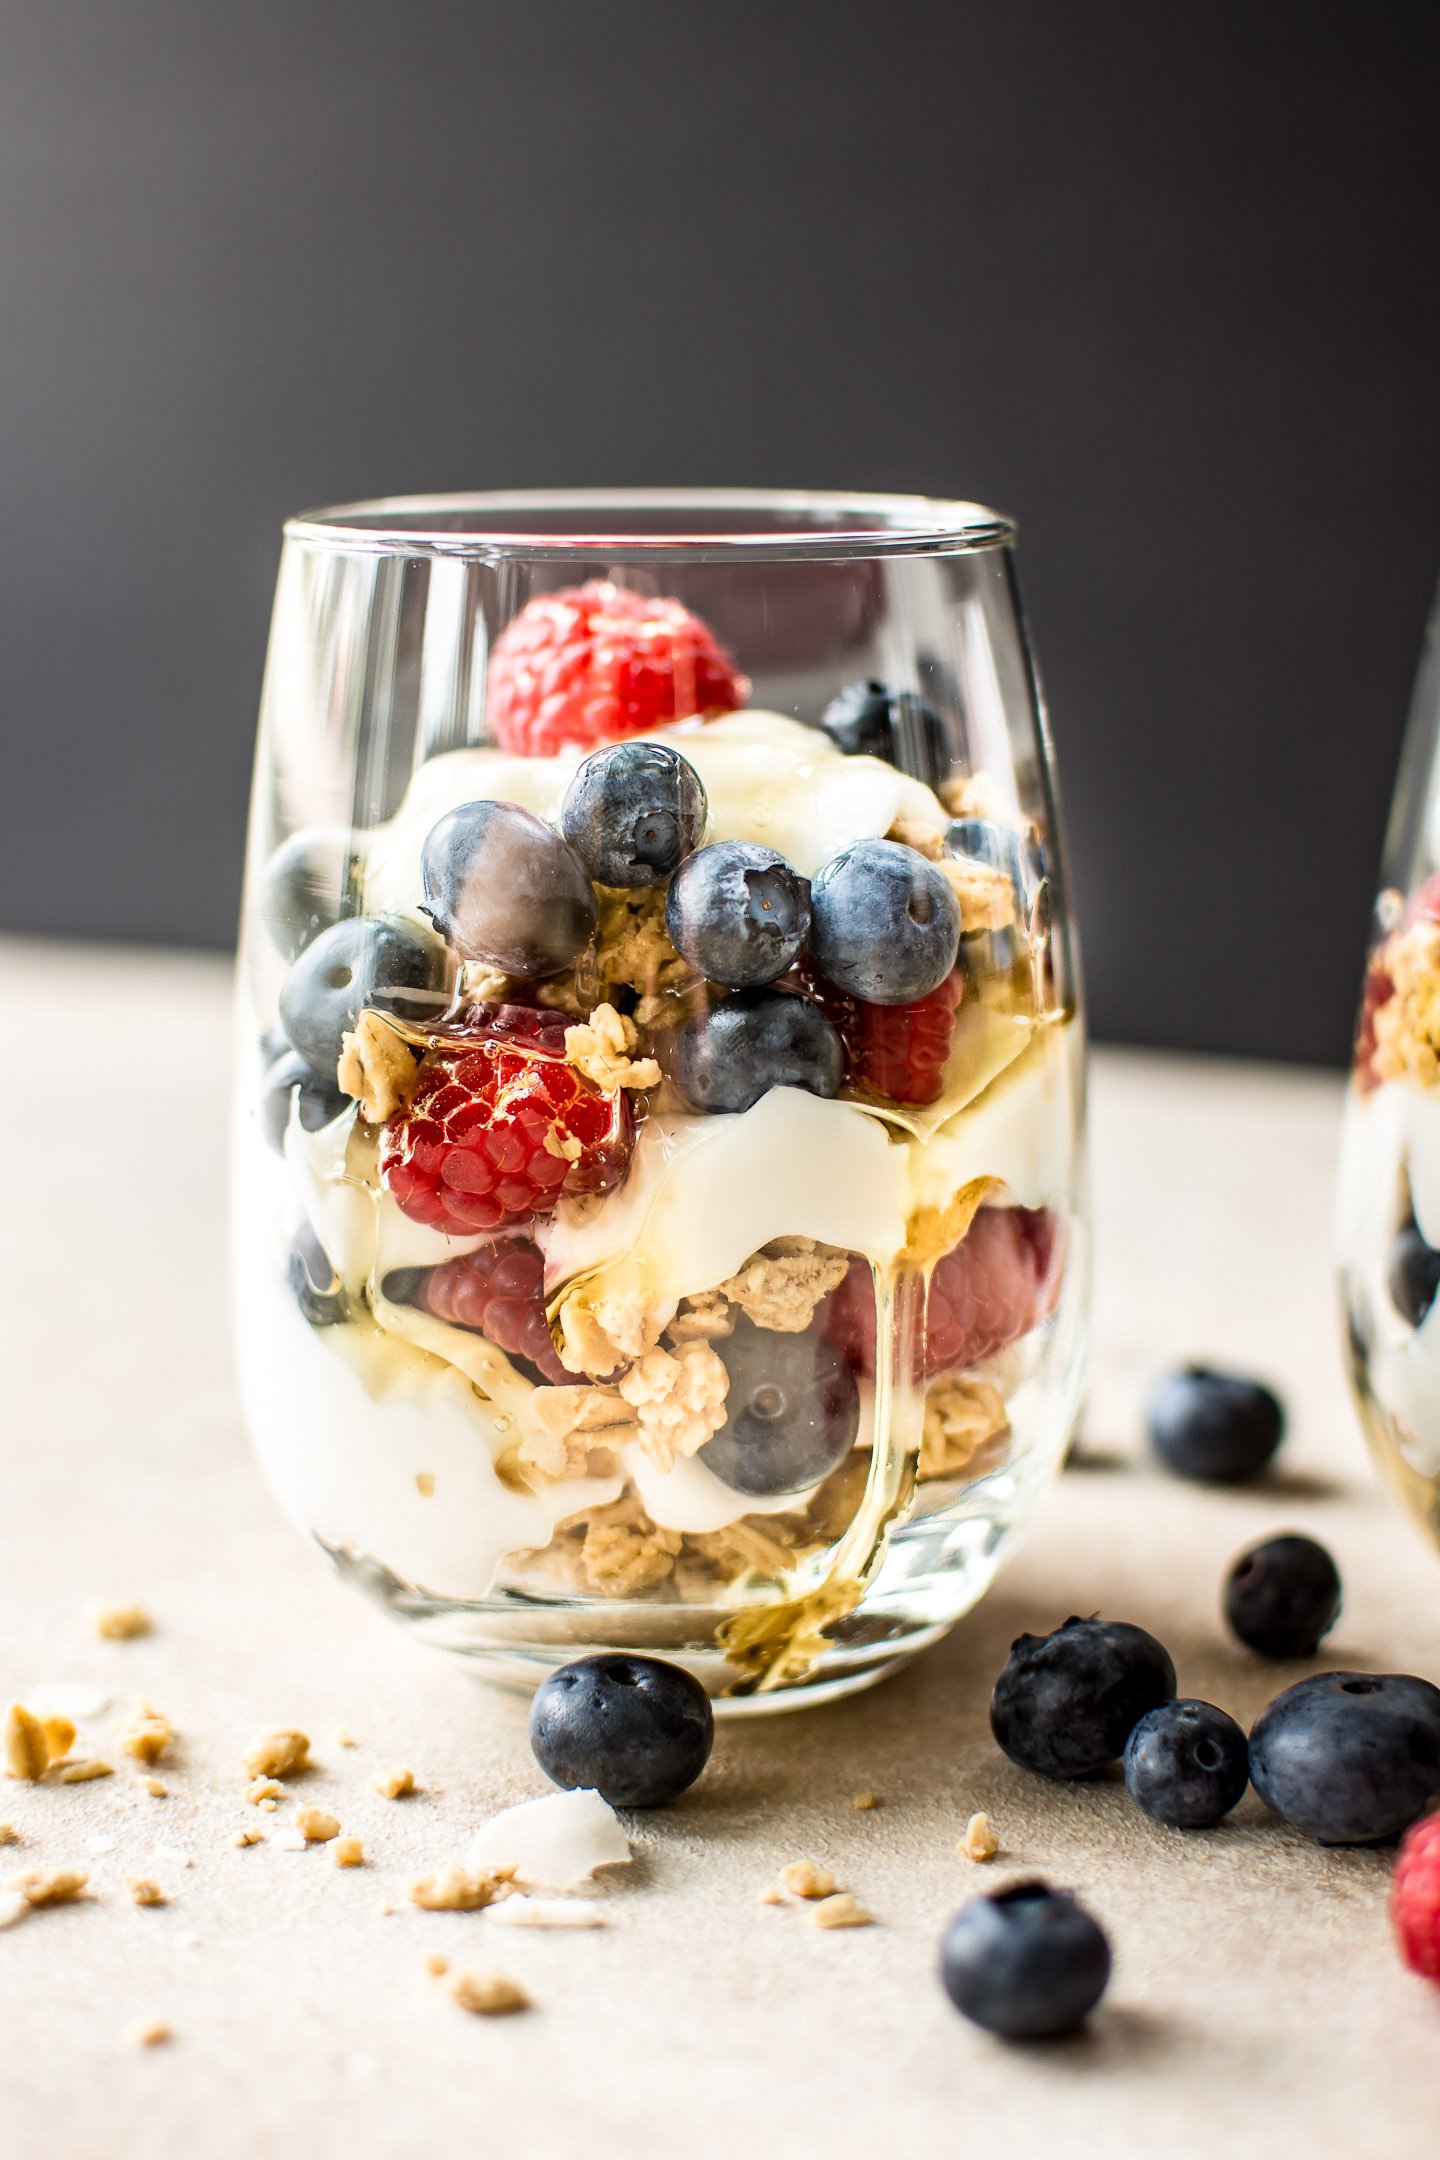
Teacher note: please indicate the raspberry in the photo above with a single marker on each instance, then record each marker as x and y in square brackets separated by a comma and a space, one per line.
[1415, 1897]
[1379, 989]
[899, 1051]
[998, 1283]
[597, 662]
[498, 1125]
[498, 1291]
[1424, 904]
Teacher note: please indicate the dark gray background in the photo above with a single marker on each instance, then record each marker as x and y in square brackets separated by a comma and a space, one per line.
[1160, 280]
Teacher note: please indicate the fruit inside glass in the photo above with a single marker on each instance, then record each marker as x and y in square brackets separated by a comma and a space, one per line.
[658, 1144]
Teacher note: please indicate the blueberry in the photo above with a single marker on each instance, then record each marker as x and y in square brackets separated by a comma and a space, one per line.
[1214, 1427]
[502, 888]
[320, 1103]
[885, 924]
[1414, 1275]
[868, 719]
[728, 1057]
[791, 1414]
[314, 1283]
[1349, 1758]
[305, 885]
[1066, 1703]
[362, 961]
[738, 913]
[1283, 1596]
[1186, 1764]
[634, 1729]
[633, 813]
[1027, 1963]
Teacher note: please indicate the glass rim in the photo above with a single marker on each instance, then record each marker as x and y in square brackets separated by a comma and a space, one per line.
[590, 525]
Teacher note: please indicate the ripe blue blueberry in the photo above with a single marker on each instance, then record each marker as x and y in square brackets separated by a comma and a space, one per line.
[633, 813]
[868, 719]
[791, 1413]
[885, 923]
[1414, 1275]
[305, 886]
[634, 1729]
[315, 1286]
[502, 888]
[728, 1057]
[362, 961]
[1187, 1764]
[1213, 1427]
[320, 1103]
[1027, 1963]
[1283, 1596]
[1349, 1758]
[1067, 1702]
[738, 913]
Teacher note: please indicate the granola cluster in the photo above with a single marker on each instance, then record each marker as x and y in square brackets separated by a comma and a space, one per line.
[1407, 1025]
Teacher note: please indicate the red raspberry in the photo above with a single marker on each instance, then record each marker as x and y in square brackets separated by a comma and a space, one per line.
[999, 1282]
[1415, 1897]
[899, 1051]
[1379, 989]
[1424, 904]
[596, 662]
[498, 1291]
[469, 1149]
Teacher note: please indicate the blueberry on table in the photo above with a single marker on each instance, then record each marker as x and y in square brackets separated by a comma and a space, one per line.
[502, 888]
[633, 813]
[792, 1411]
[1414, 1275]
[320, 1101]
[1283, 1596]
[727, 1058]
[1027, 1962]
[365, 960]
[313, 1282]
[304, 887]
[1214, 1427]
[738, 913]
[634, 1729]
[1067, 1702]
[868, 719]
[885, 923]
[1349, 1758]
[1187, 1764]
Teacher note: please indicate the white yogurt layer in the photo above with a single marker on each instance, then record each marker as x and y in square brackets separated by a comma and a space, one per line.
[1392, 1136]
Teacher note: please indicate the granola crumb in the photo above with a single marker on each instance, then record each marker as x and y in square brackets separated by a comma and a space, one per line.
[120, 1623]
[437, 1963]
[780, 1286]
[772, 1895]
[487, 1994]
[806, 1879]
[264, 1789]
[269, 1806]
[927, 840]
[316, 1825]
[377, 1066]
[344, 1738]
[599, 1334]
[425, 1483]
[9, 1835]
[622, 1550]
[632, 945]
[457, 1889]
[394, 1784]
[53, 1886]
[841, 1911]
[151, 2032]
[277, 1752]
[59, 1737]
[81, 1773]
[966, 1427]
[27, 1752]
[155, 1786]
[349, 1852]
[862, 1800]
[1407, 1025]
[574, 1432]
[979, 1841]
[985, 894]
[678, 1398]
[602, 1049]
[146, 1734]
[706, 1317]
[242, 1838]
[145, 1890]
[975, 795]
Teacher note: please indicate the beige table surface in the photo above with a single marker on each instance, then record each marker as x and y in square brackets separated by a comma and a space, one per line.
[1257, 2005]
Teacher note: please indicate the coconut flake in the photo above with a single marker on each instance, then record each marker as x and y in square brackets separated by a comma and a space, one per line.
[548, 1912]
[555, 1842]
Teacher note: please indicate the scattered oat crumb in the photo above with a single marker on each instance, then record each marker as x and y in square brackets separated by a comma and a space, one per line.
[249, 1837]
[979, 1841]
[59, 1737]
[80, 1773]
[145, 1890]
[120, 1623]
[377, 1066]
[27, 1753]
[602, 1049]
[263, 1789]
[153, 2032]
[806, 1879]
[349, 1852]
[487, 1994]
[456, 1889]
[317, 1825]
[344, 1738]
[425, 1483]
[146, 1734]
[437, 1963]
[269, 1806]
[773, 1896]
[278, 1752]
[839, 1911]
[57, 1886]
[9, 1835]
[155, 1786]
[394, 1784]
[862, 1800]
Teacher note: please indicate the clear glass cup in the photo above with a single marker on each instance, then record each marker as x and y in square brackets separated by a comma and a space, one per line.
[659, 1138]
[1388, 1206]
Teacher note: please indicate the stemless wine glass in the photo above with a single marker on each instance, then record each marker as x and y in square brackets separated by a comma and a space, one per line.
[1388, 1215]
[660, 1112]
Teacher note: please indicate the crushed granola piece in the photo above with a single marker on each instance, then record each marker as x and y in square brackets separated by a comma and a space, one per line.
[565, 1147]
[679, 1400]
[599, 1334]
[603, 1049]
[759, 1544]
[156, 1787]
[780, 1286]
[249, 1837]
[59, 1737]
[623, 1552]
[264, 1790]
[145, 1890]
[394, 1784]
[316, 1825]
[574, 992]
[632, 945]
[9, 1835]
[487, 1994]
[342, 1737]
[985, 894]
[348, 1852]
[425, 1483]
[150, 2032]
[55, 1886]
[966, 1427]
[772, 1894]
[269, 1806]
[27, 1752]
[377, 1066]
[976, 795]
[437, 1963]
[458, 1889]
[806, 1879]
[705, 1318]
[862, 1800]
[927, 840]
[81, 1773]
[841, 1911]
[277, 1752]
[574, 1432]
[979, 1841]
[146, 1734]
[1407, 1025]
[931, 1232]
[121, 1623]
